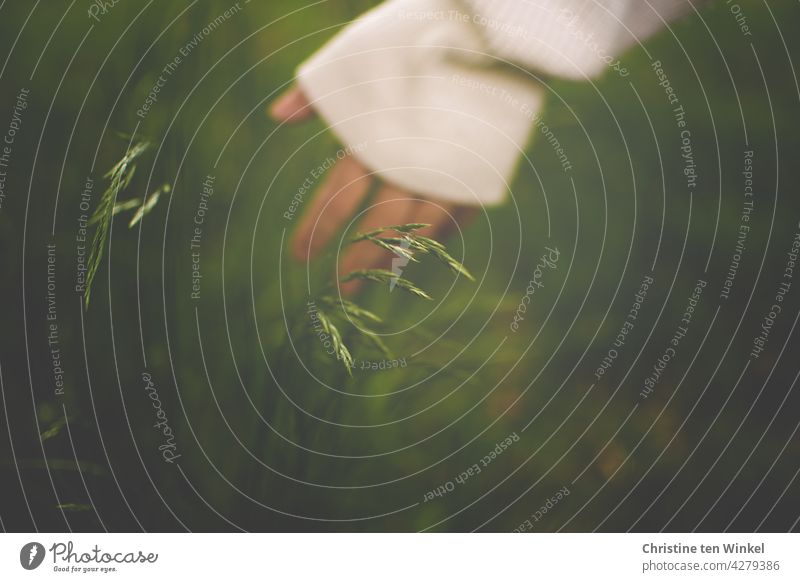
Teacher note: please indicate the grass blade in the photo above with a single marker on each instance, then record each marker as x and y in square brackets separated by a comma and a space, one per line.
[120, 177]
[384, 276]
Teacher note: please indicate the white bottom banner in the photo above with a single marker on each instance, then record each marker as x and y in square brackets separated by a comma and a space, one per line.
[356, 557]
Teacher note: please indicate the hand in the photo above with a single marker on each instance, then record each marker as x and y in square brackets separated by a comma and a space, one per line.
[340, 196]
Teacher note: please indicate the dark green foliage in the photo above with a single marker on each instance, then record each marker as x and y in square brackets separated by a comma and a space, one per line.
[119, 177]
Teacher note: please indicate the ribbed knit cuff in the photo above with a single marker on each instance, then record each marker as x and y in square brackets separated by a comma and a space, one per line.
[569, 38]
[408, 88]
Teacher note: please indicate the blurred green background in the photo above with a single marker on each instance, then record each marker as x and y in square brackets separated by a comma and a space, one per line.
[272, 441]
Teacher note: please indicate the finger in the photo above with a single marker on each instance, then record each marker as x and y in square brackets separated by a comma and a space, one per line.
[393, 205]
[438, 214]
[444, 219]
[463, 216]
[336, 200]
[291, 107]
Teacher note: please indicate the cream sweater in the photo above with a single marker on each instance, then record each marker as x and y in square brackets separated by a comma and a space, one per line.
[439, 96]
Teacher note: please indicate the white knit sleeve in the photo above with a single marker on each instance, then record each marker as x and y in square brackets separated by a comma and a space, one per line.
[415, 89]
[570, 38]
[409, 88]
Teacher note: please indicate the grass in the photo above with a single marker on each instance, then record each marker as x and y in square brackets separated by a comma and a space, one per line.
[339, 311]
[605, 222]
[119, 179]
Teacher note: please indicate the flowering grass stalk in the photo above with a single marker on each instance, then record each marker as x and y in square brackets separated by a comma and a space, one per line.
[334, 311]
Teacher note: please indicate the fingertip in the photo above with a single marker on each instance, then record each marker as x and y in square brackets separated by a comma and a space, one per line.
[299, 255]
[299, 249]
[350, 288]
[274, 110]
[290, 107]
[281, 109]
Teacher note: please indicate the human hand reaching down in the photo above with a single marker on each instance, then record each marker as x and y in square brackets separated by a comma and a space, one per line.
[340, 196]
[445, 94]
